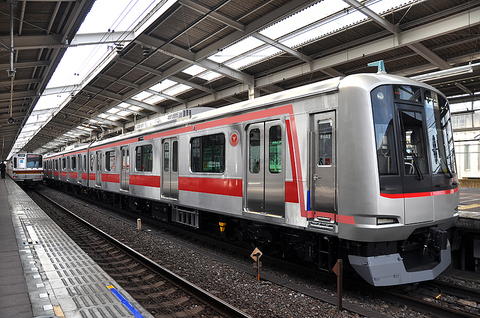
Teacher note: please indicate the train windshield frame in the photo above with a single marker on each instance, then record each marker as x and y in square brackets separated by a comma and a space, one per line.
[414, 139]
[34, 161]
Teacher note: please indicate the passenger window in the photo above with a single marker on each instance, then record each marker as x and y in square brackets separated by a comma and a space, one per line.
[175, 156]
[92, 162]
[74, 163]
[208, 153]
[99, 161]
[15, 162]
[324, 143]
[275, 149]
[254, 151]
[64, 163]
[144, 158]
[166, 157]
[110, 160]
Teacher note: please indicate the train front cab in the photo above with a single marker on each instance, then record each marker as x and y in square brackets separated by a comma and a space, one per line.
[416, 187]
[27, 168]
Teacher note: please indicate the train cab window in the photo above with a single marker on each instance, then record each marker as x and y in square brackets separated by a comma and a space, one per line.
[406, 92]
[384, 130]
[208, 153]
[110, 160]
[413, 141]
[34, 161]
[325, 153]
[254, 151]
[144, 158]
[438, 121]
[275, 149]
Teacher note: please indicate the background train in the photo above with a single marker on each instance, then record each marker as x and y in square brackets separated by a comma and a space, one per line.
[26, 168]
[360, 168]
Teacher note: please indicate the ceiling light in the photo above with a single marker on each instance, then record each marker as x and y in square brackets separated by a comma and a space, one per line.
[445, 73]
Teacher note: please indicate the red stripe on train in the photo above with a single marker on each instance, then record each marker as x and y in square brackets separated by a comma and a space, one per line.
[232, 187]
[418, 194]
[146, 181]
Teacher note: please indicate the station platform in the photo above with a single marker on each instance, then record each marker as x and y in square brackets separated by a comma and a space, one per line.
[469, 209]
[43, 273]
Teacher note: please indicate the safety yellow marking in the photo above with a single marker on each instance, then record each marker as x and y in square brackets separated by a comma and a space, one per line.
[58, 311]
[467, 207]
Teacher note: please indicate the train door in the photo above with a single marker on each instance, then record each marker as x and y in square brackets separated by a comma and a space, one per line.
[323, 193]
[125, 173]
[98, 171]
[265, 184]
[416, 171]
[170, 168]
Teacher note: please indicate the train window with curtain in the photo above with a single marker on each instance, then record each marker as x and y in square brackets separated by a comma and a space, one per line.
[144, 158]
[110, 160]
[254, 151]
[275, 149]
[384, 132]
[208, 153]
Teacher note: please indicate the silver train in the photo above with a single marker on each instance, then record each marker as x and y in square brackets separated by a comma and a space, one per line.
[360, 168]
[26, 168]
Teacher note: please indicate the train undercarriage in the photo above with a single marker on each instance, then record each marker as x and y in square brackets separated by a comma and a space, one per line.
[422, 255]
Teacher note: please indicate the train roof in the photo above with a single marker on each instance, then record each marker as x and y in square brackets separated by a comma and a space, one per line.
[367, 80]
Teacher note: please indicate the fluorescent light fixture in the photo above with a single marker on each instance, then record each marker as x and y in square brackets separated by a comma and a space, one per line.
[445, 73]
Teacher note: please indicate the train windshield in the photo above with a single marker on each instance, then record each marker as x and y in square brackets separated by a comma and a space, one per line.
[34, 161]
[414, 139]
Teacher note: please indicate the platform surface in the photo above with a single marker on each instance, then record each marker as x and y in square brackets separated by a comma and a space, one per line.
[43, 273]
[469, 209]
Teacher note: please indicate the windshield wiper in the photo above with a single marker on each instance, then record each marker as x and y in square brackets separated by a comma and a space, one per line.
[417, 167]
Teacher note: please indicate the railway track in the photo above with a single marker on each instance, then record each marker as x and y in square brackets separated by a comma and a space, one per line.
[160, 291]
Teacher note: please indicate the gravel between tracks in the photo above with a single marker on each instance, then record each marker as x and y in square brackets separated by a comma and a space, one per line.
[258, 299]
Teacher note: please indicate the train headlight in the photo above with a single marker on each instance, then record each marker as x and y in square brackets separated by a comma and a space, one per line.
[384, 221]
